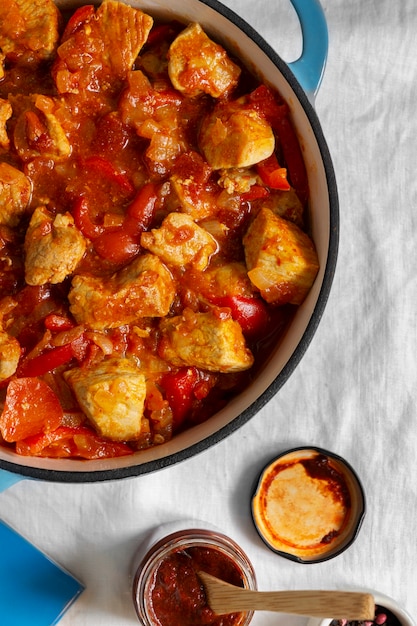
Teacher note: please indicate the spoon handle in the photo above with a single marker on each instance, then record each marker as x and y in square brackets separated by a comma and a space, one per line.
[334, 604]
[225, 598]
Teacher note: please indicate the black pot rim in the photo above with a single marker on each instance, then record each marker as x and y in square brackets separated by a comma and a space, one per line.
[266, 396]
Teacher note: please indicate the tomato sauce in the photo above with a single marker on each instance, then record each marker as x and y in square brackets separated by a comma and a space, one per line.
[176, 595]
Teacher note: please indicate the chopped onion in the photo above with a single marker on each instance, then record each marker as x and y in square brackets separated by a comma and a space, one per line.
[101, 340]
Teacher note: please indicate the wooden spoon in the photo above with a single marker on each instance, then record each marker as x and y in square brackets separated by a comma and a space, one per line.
[224, 598]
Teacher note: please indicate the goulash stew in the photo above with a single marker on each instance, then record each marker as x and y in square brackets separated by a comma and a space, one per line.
[152, 228]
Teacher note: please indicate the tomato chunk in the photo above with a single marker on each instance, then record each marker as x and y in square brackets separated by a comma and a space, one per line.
[251, 313]
[57, 323]
[255, 193]
[68, 441]
[179, 391]
[265, 102]
[31, 408]
[105, 169]
[79, 17]
[272, 174]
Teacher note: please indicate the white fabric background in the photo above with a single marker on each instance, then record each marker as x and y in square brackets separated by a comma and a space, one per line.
[354, 391]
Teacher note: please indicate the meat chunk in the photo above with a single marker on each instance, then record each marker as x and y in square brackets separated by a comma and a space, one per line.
[227, 279]
[29, 29]
[281, 259]
[53, 246]
[155, 116]
[195, 199]
[237, 181]
[180, 241]
[101, 49]
[38, 132]
[5, 114]
[15, 192]
[9, 355]
[233, 136]
[145, 288]
[198, 65]
[286, 204]
[205, 340]
[112, 396]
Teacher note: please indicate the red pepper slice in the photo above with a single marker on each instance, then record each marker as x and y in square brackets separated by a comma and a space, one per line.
[77, 19]
[272, 174]
[83, 220]
[141, 210]
[31, 407]
[105, 168]
[53, 358]
[47, 361]
[121, 245]
[293, 158]
[33, 446]
[178, 387]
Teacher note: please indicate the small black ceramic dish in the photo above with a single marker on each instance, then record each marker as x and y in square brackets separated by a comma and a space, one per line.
[308, 505]
[387, 613]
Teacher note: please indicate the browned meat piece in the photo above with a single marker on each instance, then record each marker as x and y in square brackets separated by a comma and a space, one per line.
[233, 136]
[286, 204]
[15, 193]
[29, 29]
[144, 288]
[112, 395]
[53, 246]
[101, 50]
[281, 259]
[198, 65]
[180, 241]
[5, 114]
[206, 340]
[9, 355]
[38, 131]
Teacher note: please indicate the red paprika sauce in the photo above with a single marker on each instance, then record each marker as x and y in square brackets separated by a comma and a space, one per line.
[100, 149]
[176, 594]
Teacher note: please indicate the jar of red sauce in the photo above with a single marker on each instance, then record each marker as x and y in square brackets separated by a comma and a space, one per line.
[166, 588]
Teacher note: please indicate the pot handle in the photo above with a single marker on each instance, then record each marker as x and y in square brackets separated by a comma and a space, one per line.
[309, 67]
[7, 479]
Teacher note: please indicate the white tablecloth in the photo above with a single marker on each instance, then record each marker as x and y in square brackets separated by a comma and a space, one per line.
[355, 390]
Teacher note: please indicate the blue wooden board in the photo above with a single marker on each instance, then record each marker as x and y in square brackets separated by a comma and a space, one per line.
[33, 589]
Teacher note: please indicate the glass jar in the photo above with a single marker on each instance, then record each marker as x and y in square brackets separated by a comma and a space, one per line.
[173, 554]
